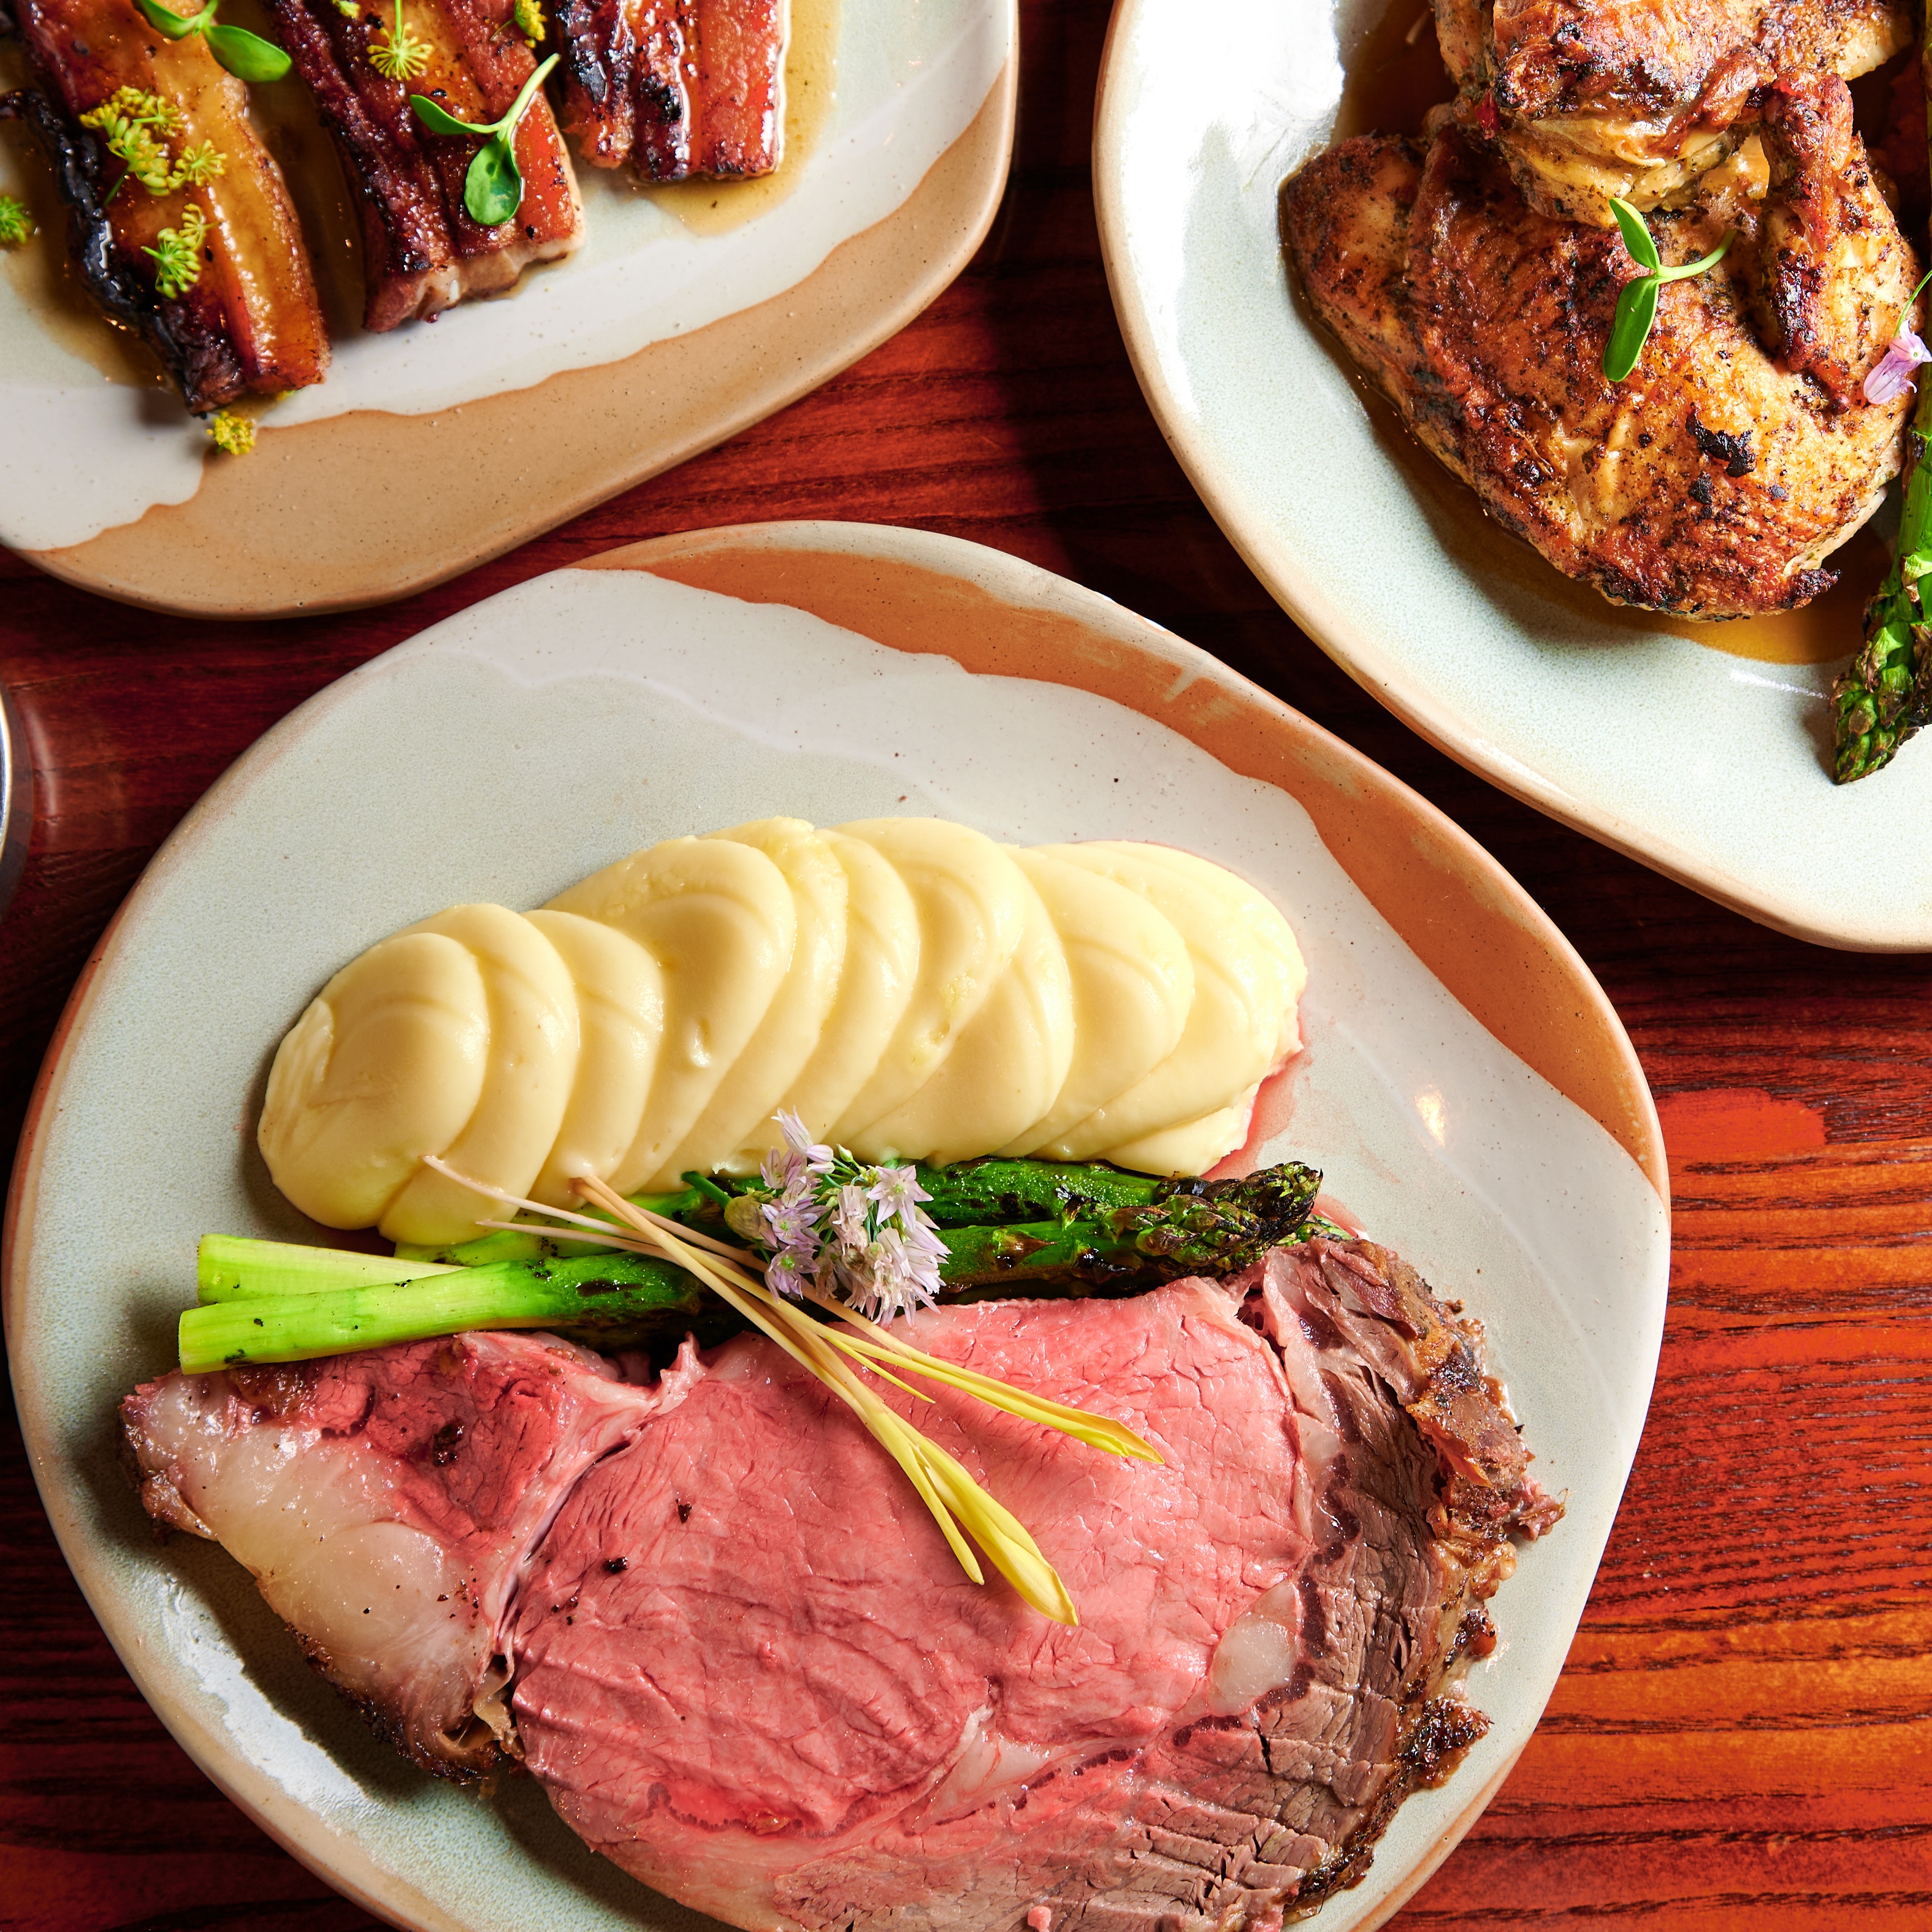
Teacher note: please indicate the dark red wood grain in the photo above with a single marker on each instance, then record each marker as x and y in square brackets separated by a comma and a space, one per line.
[1743, 1738]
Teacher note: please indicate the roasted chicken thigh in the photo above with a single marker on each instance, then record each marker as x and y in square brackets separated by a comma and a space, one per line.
[1715, 480]
[1588, 99]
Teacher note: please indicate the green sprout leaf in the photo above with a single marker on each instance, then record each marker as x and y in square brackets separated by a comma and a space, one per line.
[246, 55]
[175, 26]
[493, 190]
[1629, 329]
[1637, 238]
[1637, 302]
[436, 120]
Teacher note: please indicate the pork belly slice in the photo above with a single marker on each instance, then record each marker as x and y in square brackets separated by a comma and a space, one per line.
[251, 324]
[386, 1503]
[421, 252]
[677, 88]
[745, 1666]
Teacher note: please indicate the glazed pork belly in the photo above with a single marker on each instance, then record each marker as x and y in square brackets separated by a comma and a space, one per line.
[677, 88]
[422, 253]
[744, 1665]
[248, 321]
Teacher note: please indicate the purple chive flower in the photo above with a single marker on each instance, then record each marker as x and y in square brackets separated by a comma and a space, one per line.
[898, 1192]
[1891, 376]
[850, 1222]
[818, 1158]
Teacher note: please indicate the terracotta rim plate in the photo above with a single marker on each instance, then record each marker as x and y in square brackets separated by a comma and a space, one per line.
[1697, 748]
[1466, 1086]
[688, 314]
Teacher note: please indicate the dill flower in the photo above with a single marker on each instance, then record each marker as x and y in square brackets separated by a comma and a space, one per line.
[195, 166]
[16, 225]
[177, 253]
[530, 20]
[232, 435]
[396, 53]
[134, 128]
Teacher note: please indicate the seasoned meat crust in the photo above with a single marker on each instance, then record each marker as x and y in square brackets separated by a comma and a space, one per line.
[1593, 99]
[1716, 479]
[678, 88]
[744, 1665]
[421, 252]
[250, 323]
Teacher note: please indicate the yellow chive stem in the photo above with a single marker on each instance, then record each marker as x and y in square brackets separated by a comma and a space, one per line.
[943, 1485]
[1098, 1431]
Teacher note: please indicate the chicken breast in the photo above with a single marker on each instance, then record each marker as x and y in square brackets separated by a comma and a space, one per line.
[1715, 480]
[1588, 100]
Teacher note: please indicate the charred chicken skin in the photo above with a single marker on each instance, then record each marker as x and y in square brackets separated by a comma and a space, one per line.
[1713, 481]
[1588, 100]
[206, 264]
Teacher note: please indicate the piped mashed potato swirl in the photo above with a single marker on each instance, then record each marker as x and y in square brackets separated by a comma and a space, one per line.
[911, 988]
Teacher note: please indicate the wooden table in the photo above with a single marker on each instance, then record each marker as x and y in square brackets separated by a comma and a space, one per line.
[1743, 1738]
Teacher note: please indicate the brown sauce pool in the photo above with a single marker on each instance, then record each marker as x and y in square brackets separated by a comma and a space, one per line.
[1393, 75]
[811, 91]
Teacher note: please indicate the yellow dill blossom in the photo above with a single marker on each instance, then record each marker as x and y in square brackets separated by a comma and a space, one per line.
[16, 225]
[194, 165]
[530, 20]
[350, 10]
[177, 253]
[232, 435]
[396, 53]
[132, 125]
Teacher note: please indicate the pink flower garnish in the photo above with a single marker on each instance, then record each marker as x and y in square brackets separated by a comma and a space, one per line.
[1892, 376]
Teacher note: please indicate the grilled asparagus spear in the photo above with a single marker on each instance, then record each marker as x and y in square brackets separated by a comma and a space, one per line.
[272, 1301]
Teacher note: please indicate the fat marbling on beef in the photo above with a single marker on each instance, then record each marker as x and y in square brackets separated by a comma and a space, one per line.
[744, 1665]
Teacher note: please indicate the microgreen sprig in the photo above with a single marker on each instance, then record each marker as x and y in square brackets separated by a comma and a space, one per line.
[493, 190]
[246, 55]
[1636, 306]
[16, 225]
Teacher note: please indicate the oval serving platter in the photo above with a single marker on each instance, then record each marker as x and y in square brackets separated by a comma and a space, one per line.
[689, 314]
[1698, 748]
[1466, 1087]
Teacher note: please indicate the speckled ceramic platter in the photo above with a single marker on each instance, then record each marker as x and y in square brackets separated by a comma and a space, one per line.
[688, 313]
[1465, 1086]
[1697, 748]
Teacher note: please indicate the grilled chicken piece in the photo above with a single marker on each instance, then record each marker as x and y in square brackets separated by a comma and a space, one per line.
[678, 88]
[1738, 454]
[422, 253]
[1590, 100]
[249, 323]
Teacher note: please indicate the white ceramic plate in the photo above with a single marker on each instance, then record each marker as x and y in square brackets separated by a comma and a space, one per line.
[688, 313]
[1697, 748]
[832, 670]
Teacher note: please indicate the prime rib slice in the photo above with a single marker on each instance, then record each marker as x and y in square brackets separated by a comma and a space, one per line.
[744, 1666]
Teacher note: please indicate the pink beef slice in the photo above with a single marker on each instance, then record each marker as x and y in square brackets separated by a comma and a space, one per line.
[387, 1504]
[748, 1670]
